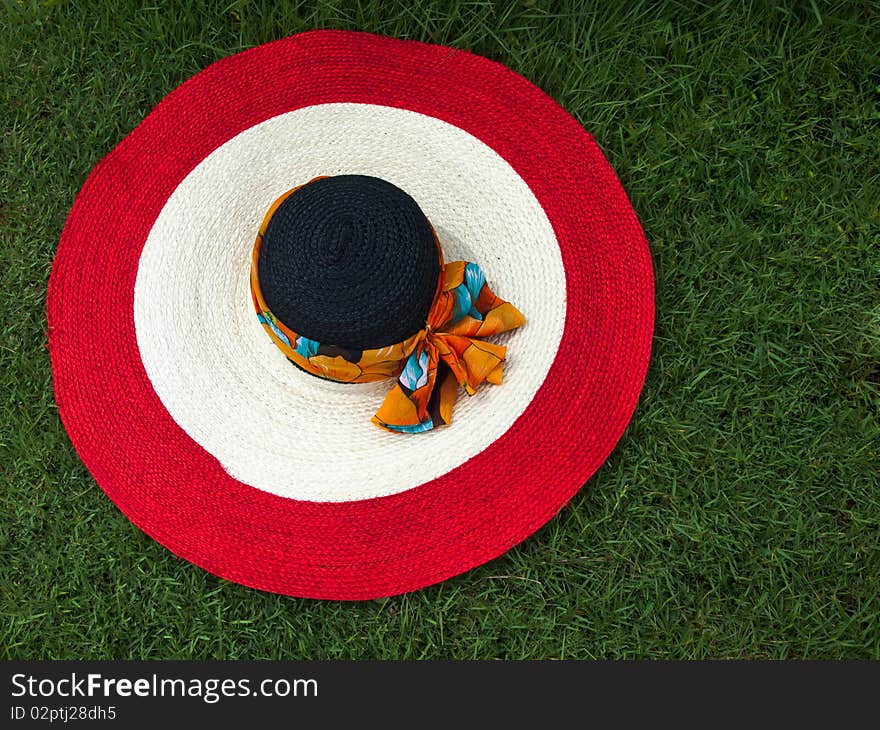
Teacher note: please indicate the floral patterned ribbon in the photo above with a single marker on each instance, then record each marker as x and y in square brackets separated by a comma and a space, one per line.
[429, 365]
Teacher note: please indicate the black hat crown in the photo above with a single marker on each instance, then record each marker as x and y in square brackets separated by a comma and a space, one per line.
[350, 260]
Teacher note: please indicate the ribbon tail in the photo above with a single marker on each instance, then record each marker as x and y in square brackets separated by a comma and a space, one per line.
[495, 375]
[397, 413]
[473, 361]
[444, 396]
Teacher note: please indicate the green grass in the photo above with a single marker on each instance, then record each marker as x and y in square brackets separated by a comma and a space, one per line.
[739, 515]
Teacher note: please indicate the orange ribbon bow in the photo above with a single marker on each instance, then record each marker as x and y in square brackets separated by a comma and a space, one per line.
[448, 352]
[429, 365]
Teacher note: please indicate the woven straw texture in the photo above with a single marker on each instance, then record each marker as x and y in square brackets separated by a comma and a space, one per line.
[443, 520]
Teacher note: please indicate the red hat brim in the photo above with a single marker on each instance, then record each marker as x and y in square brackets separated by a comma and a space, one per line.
[178, 493]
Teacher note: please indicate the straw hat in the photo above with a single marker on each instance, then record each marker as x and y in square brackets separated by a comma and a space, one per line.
[346, 316]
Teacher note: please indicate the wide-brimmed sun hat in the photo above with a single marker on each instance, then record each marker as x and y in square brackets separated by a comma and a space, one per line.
[346, 315]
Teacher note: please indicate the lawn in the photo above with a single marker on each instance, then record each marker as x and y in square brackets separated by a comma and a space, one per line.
[739, 515]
